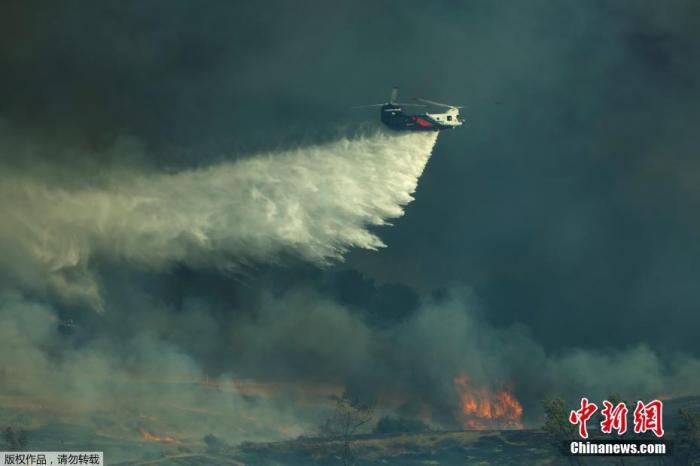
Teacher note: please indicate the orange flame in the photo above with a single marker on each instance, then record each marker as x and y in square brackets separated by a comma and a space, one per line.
[484, 408]
[150, 437]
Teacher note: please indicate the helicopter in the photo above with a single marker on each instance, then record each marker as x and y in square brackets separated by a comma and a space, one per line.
[393, 116]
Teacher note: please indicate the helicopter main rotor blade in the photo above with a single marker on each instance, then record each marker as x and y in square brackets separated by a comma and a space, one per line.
[367, 106]
[403, 104]
[432, 102]
[388, 103]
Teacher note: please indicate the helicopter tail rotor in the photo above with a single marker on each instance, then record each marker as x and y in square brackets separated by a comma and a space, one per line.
[394, 94]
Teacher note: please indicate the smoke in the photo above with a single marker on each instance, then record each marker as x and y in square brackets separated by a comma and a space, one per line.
[91, 218]
[410, 368]
[273, 355]
[120, 387]
[283, 360]
[313, 203]
[142, 364]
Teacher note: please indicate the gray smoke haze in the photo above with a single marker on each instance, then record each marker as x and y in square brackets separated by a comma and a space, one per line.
[416, 361]
[283, 361]
[142, 382]
[188, 170]
[140, 359]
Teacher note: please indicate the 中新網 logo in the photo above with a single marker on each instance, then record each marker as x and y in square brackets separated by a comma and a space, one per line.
[646, 417]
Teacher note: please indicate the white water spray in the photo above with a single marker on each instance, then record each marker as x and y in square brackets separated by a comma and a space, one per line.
[314, 203]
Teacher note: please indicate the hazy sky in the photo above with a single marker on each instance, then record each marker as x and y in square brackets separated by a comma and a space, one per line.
[560, 221]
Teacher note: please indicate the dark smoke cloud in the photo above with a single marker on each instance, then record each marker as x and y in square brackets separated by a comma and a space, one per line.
[567, 206]
[150, 361]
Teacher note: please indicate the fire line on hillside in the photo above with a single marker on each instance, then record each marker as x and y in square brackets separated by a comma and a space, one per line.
[485, 408]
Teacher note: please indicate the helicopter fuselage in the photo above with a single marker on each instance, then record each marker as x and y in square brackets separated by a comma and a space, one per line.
[395, 118]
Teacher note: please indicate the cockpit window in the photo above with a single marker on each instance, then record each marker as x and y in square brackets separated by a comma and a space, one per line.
[449, 117]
